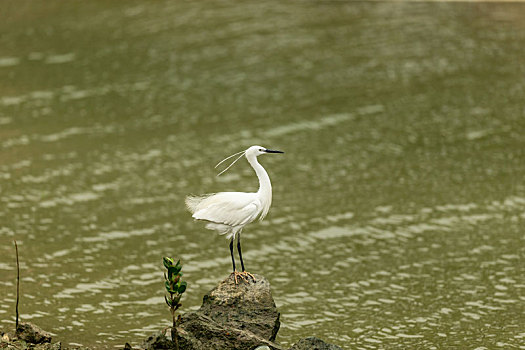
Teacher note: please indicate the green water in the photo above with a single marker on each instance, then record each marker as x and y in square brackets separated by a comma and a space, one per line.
[398, 208]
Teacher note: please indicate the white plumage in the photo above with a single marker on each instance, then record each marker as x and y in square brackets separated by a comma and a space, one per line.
[225, 211]
[228, 212]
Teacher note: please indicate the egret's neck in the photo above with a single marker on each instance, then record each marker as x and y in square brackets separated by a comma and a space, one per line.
[265, 186]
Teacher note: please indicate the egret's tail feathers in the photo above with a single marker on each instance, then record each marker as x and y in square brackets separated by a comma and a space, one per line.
[192, 202]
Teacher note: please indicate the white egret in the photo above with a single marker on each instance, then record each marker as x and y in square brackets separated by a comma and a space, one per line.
[228, 212]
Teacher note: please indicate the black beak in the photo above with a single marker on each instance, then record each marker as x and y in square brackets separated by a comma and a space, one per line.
[272, 151]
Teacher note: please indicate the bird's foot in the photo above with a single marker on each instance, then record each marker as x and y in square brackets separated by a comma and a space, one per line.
[246, 274]
[238, 274]
[242, 275]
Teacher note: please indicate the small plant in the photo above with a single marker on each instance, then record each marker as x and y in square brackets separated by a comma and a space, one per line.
[175, 287]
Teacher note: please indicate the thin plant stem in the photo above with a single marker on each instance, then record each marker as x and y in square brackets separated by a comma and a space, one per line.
[173, 327]
[17, 285]
[174, 335]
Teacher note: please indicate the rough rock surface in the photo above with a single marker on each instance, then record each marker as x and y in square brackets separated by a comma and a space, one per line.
[31, 333]
[241, 317]
[202, 332]
[158, 341]
[28, 336]
[248, 305]
[313, 343]
[22, 345]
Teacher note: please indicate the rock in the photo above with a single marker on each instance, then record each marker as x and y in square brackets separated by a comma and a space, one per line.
[241, 317]
[5, 338]
[248, 305]
[47, 346]
[31, 333]
[22, 345]
[199, 332]
[236, 317]
[313, 343]
[28, 336]
[158, 341]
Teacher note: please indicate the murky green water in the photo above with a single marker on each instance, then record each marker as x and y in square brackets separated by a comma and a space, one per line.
[399, 206]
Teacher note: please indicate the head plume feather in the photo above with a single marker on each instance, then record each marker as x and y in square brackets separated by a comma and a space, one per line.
[239, 154]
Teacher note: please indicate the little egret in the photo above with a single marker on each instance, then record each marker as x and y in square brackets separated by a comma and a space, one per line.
[228, 212]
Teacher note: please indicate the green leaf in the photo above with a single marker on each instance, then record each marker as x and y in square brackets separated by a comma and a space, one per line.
[172, 288]
[173, 270]
[167, 284]
[168, 301]
[178, 264]
[182, 287]
[168, 262]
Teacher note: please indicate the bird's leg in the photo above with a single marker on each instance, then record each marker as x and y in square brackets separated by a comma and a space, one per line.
[231, 252]
[244, 272]
[240, 252]
[235, 273]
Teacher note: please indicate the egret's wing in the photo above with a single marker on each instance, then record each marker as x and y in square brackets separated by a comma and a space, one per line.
[229, 208]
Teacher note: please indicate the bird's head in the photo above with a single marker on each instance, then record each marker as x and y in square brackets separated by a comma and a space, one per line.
[251, 152]
[258, 150]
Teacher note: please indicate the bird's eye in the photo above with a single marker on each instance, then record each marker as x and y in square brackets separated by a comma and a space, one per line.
[260, 149]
